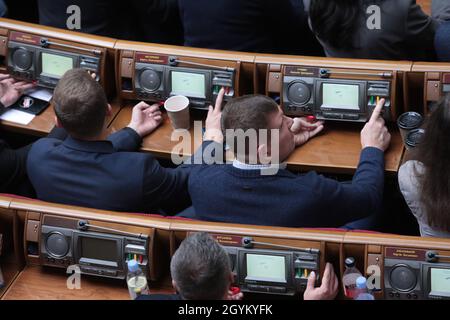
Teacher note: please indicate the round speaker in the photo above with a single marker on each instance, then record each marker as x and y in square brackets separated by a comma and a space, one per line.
[149, 80]
[22, 59]
[299, 92]
[403, 278]
[57, 245]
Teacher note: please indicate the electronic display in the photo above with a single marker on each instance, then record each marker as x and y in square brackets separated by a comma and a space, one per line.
[340, 96]
[440, 282]
[56, 65]
[188, 84]
[99, 249]
[266, 268]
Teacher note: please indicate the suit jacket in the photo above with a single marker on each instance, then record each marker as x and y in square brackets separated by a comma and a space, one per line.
[246, 25]
[141, 20]
[224, 193]
[406, 33]
[104, 175]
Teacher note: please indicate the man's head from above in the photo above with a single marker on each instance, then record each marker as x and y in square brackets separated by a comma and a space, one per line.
[257, 131]
[201, 269]
[80, 104]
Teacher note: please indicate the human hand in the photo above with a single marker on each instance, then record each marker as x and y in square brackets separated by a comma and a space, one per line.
[145, 118]
[11, 90]
[213, 130]
[375, 134]
[329, 288]
[235, 295]
[303, 130]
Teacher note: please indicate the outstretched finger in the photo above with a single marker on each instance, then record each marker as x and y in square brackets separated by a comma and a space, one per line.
[316, 131]
[377, 111]
[23, 86]
[219, 101]
[4, 76]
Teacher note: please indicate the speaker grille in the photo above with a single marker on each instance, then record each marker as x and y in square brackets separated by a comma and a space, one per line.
[403, 278]
[299, 93]
[149, 80]
[57, 245]
[22, 59]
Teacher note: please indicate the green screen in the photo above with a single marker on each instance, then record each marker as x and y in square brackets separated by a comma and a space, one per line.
[188, 84]
[267, 268]
[55, 65]
[341, 96]
[440, 281]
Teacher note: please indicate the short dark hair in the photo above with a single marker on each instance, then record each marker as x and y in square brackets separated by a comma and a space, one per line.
[201, 268]
[80, 104]
[246, 113]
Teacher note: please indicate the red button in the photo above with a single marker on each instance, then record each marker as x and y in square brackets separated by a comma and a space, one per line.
[311, 119]
[235, 290]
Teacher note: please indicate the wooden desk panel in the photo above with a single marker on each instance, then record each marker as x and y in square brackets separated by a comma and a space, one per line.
[38, 283]
[336, 150]
[42, 124]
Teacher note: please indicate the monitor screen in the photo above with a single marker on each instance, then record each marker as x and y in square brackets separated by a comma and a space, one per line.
[340, 96]
[188, 84]
[440, 282]
[266, 268]
[99, 249]
[54, 65]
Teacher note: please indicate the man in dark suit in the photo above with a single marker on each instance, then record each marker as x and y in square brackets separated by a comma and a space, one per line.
[201, 270]
[247, 25]
[256, 189]
[367, 29]
[12, 162]
[154, 21]
[87, 170]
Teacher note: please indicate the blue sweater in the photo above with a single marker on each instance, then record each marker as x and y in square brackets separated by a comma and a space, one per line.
[223, 193]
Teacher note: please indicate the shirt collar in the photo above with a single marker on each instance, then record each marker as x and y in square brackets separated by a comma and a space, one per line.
[244, 166]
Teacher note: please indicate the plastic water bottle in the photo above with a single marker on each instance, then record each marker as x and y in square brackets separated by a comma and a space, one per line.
[349, 278]
[363, 292]
[136, 280]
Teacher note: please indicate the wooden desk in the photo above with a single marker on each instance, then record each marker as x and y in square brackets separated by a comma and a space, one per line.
[38, 283]
[336, 150]
[42, 124]
[10, 271]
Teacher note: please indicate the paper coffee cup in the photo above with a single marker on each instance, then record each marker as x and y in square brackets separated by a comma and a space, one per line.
[414, 138]
[177, 108]
[409, 121]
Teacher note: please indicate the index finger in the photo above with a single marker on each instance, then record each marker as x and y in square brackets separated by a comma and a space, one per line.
[4, 76]
[218, 106]
[377, 111]
[327, 274]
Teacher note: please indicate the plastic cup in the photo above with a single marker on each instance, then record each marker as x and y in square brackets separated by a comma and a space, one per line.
[177, 108]
[414, 138]
[407, 122]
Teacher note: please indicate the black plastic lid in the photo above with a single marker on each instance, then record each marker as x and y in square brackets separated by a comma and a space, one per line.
[410, 120]
[350, 262]
[415, 137]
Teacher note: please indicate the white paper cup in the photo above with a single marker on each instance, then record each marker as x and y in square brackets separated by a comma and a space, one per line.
[177, 108]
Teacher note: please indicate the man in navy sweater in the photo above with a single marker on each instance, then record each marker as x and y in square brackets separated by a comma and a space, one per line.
[87, 169]
[249, 192]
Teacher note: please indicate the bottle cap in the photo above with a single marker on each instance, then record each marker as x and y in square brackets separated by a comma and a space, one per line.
[361, 283]
[350, 262]
[133, 266]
